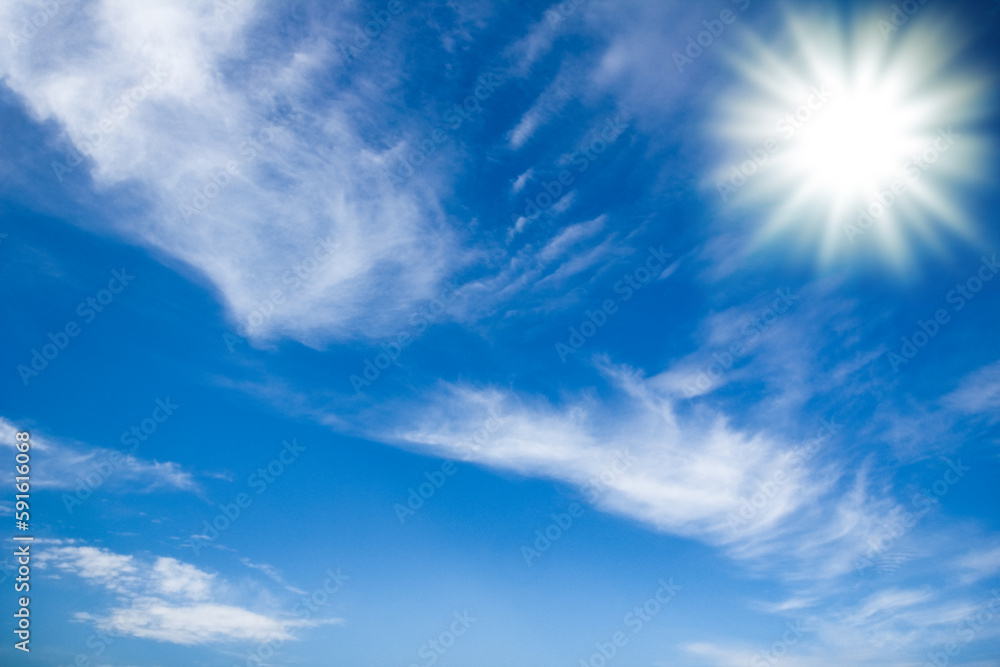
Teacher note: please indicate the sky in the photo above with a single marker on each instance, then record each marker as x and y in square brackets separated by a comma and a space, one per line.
[492, 333]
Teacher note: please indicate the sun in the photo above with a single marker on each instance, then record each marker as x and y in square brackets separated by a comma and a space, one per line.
[855, 144]
[849, 137]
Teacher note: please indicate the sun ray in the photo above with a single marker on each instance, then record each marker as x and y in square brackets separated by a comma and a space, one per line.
[839, 132]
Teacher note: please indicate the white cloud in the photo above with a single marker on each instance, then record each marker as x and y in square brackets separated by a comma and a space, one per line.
[978, 392]
[316, 182]
[168, 600]
[172, 577]
[635, 64]
[8, 436]
[979, 564]
[314, 179]
[537, 276]
[76, 467]
[521, 181]
[689, 477]
[720, 656]
[888, 622]
[526, 51]
[920, 428]
[547, 105]
[151, 618]
[571, 236]
[272, 572]
[115, 572]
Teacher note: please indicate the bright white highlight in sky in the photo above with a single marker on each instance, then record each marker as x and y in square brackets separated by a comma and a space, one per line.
[857, 143]
[848, 138]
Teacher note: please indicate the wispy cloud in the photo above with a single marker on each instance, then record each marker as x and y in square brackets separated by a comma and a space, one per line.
[691, 475]
[239, 191]
[168, 600]
[978, 393]
[82, 469]
[272, 573]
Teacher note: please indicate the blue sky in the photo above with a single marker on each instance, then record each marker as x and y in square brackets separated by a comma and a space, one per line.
[472, 333]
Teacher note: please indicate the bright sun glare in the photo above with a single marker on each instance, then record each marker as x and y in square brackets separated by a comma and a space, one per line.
[853, 144]
[852, 136]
